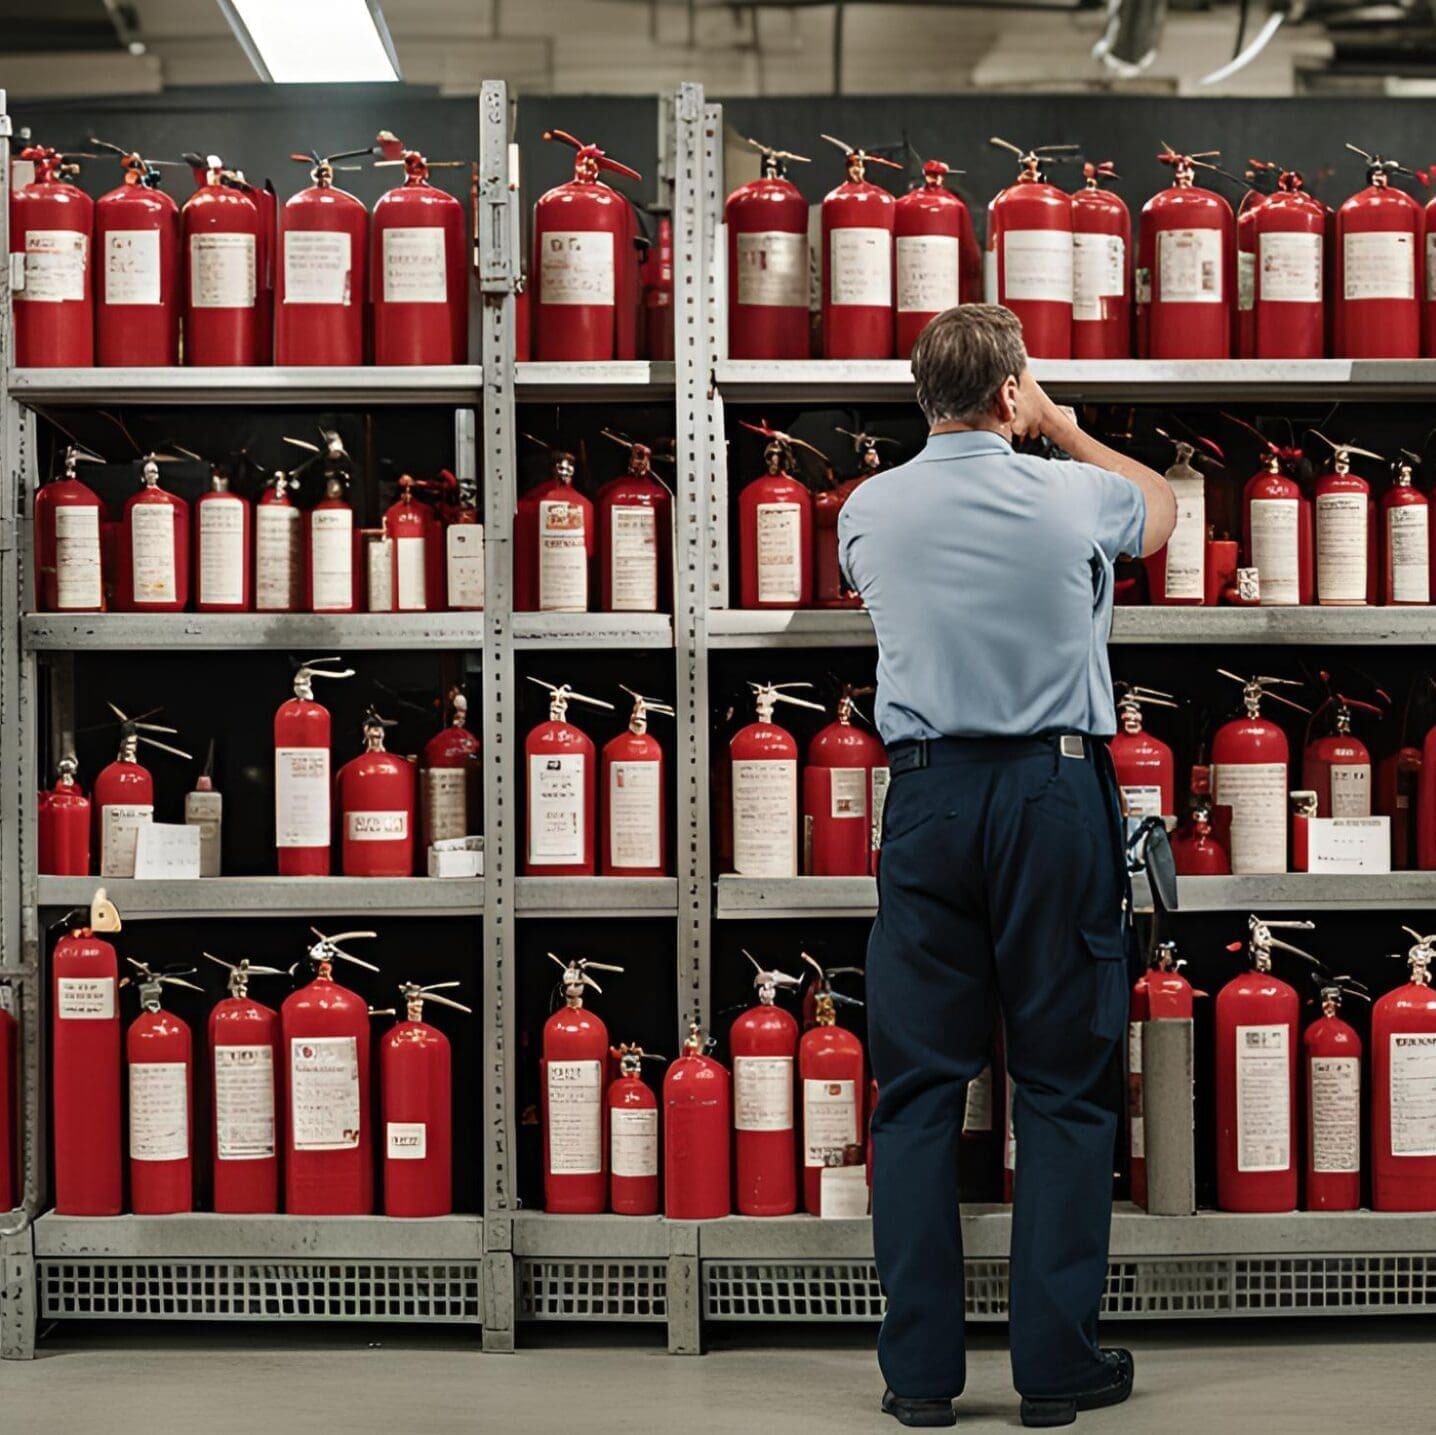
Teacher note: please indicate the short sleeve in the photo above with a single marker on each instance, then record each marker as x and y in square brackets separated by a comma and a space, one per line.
[1121, 515]
[846, 535]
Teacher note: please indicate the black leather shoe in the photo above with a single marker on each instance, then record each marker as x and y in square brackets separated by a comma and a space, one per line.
[918, 1412]
[1047, 1410]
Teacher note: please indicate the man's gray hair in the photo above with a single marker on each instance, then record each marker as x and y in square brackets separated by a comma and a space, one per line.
[962, 358]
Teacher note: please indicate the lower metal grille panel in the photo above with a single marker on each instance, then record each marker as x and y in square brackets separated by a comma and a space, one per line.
[593, 1290]
[440, 1292]
[1339, 1284]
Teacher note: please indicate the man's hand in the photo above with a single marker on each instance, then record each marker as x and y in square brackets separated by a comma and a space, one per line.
[1037, 416]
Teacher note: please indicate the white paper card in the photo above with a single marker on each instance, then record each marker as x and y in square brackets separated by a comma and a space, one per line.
[1348, 844]
[167, 849]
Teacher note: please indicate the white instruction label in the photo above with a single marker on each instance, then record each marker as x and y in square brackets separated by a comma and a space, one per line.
[1256, 793]
[634, 814]
[406, 1140]
[1274, 549]
[830, 1121]
[132, 266]
[120, 825]
[860, 267]
[159, 1111]
[843, 1193]
[1187, 547]
[556, 819]
[1350, 789]
[880, 779]
[464, 556]
[411, 568]
[1342, 535]
[77, 556]
[780, 552]
[1143, 801]
[848, 792]
[1335, 1113]
[765, 818]
[1037, 264]
[1099, 271]
[244, 1102]
[1290, 268]
[576, 267]
[1263, 1098]
[221, 271]
[446, 794]
[301, 797]
[324, 1093]
[317, 267]
[392, 826]
[773, 269]
[1189, 266]
[633, 1141]
[1413, 1093]
[763, 1093]
[152, 551]
[379, 572]
[563, 557]
[977, 1105]
[221, 550]
[815, 258]
[633, 558]
[276, 558]
[575, 1145]
[927, 270]
[55, 266]
[331, 556]
[415, 269]
[85, 998]
[1246, 280]
[1408, 536]
[1378, 265]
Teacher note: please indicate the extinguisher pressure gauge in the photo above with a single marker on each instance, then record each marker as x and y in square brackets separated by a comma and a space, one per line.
[576, 976]
[1256, 688]
[151, 984]
[1261, 942]
[767, 695]
[313, 668]
[240, 972]
[415, 996]
[133, 732]
[1421, 956]
[766, 983]
[562, 695]
[325, 951]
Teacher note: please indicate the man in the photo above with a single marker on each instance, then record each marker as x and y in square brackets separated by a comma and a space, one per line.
[988, 575]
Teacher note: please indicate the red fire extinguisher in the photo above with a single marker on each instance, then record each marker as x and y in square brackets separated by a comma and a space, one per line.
[463, 547]
[561, 811]
[858, 218]
[244, 1101]
[376, 808]
[69, 571]
[1403, 1054]
[322, 283]
[160, 1069]
[415, 538]
[831, 1068]
[50, 222]
[222, 239]
[1029, 252]
[765, 787]
[1378, 264]
[1405, 538]
[584, 264]
[1256, 1016]
[278, 548]
[1345, 531]
[1196, 849]
[697, 1121]
[124, 795]
[1250, 771]
[837, 793]
[656, 298]
[1331, 1066]
[418, 265]
[1337, 766]
[763, 1043]
[553, 542]
[1277, 526]
[767, 221]
[153, 548]
[829, 589]
[1187, 265]
[1177, 572]
[224, 575]
[573, 1077]
[1289, 310]
[635, 525]
[634, 797]
[137, 254]
[417, 1107]
[301, 775]
[85, 1066]
[9, 1090]
[331, 549]
[64, 825]
[1101, 268]
[451, 776]
[1145, 769]
[775, 528]
[934, 251]
[1398, 780]
[1261, 184]
[632, 1135]
[328, 1156]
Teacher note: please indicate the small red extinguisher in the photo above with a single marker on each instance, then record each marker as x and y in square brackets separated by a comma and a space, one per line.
[1398, 779]
[553, 542]
[137, 254]
[635, 527]
[417, 1107]
[85, 1066]
[50, 223]
[1331, 1070]
[1256, 1017]
[464, 547]
[1277, 526]
[829, 589]
[414, 536]
[331, 547]
[1345, 531]
[858, 219]
[450, 780]
[1177, 572]
[69, 568]
[573, 1077]
[153, 548]
[656, 297]
[697, 1126]
[221, 239]
[1289, 302]
[1101, 268]
[1145, 769]
[301, 775]
[1403, 1058]
[278, 548]
[767, 223]
[763, 1043]
[561, 814]
[1337, 765]
[775, 527]
[244, 1095]
[1405, 538]
[1378, 264]
[64, 825]
[936, 260]
[765, 787]
[632, 1111]
[159, 1059]
[1197, 851]
[838, 793]
[635, 838]
[124, 793]
[834, 1085]
[1029, 252]
[223, 568]
[376, 808]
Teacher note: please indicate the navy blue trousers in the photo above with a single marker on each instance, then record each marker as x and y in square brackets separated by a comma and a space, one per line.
[1001, 887]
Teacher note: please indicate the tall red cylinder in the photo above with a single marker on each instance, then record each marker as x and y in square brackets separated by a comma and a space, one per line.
[1101, 269]
[69, 564]
[1403, 1069]
[632, 1115]
[223, 562]
[376, 809]
[1331, 1070]
[634, 799]
[245, 1097]
[1289, 298]
[160, 1063]
[763, 1042]
[767, 223]
[417, 1094]
[63, 828]
[50, 224]
[857, 225]
[573, 1075]
[837, 796]
[635, 526]
[831, 1070]
[1029, 257]
[934, 248]
[221, 239]
[1378, 268]
[137, 257]
[153, 549]
[697, 1117]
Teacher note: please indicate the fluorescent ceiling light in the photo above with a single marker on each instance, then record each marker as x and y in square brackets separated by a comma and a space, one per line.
[323, 42]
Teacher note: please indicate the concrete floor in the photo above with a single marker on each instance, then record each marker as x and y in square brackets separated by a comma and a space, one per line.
[1269, 1378]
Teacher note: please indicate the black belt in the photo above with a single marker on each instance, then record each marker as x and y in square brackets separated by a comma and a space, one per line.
[942, 751]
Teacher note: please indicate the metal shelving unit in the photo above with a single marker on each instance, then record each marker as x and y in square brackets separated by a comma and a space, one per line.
[209, 632]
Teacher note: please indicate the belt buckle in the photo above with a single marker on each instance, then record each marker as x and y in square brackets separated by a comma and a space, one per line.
[1071, 745]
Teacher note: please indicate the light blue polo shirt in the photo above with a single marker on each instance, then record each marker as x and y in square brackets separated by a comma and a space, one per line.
[988, 575]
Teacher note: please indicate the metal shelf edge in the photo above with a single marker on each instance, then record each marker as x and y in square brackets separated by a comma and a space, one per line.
[596, 896]
[46, 632]
[761, 897]
[420, 384]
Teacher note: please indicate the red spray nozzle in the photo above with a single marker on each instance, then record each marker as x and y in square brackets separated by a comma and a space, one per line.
[1094, 174]
[590, 158]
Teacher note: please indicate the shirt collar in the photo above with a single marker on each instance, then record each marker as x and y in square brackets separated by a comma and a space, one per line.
[964, 443]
